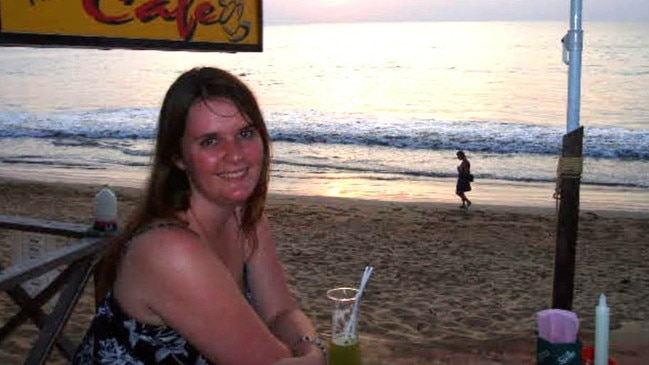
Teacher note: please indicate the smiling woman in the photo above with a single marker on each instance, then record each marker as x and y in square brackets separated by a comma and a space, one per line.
[203, 216]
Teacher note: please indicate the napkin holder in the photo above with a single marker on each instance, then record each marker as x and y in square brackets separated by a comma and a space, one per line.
[557, 342]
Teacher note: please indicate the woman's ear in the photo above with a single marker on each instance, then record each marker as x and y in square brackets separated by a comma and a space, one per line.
[178, 161]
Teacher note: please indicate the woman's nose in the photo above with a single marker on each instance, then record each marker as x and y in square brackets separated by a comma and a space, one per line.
[233, 150]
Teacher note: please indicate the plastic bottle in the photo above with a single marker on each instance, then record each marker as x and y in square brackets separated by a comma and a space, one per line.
[105, 211]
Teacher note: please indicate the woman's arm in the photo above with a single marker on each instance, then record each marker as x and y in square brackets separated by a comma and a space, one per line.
[188, 287]
[273, 299]
[465, 168]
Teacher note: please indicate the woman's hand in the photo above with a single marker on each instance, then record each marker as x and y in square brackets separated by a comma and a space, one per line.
[313, 357]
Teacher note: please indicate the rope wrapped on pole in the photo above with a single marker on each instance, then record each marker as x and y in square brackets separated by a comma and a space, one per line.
[568, 167]
[571, 167]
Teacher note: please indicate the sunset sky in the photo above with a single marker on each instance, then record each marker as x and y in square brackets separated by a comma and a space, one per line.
[311, 11]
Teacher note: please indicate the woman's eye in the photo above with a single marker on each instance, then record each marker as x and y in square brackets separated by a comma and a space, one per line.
[210, 141]
[247, 132]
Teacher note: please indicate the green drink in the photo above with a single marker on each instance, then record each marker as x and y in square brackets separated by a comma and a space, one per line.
[344, 352]
[344, 348]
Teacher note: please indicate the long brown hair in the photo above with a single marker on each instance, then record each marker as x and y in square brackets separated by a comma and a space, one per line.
[168, 188]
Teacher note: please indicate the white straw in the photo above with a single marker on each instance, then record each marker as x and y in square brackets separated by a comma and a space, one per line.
[351, 325]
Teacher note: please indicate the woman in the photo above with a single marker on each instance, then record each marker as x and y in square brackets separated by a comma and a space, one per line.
[195, 276]
[463, 179]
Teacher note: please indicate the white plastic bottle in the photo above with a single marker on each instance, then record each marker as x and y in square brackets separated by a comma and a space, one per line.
[105, 211]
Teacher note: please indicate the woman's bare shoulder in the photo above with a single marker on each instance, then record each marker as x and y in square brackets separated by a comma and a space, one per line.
[169, 261]
[168, 243]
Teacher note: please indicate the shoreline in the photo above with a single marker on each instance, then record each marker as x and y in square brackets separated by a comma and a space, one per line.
[448, 284]
[486, 193]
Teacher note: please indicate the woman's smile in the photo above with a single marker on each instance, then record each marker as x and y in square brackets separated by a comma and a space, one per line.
[233, 175]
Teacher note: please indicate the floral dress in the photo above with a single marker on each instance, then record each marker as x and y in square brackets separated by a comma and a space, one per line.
[115, 338]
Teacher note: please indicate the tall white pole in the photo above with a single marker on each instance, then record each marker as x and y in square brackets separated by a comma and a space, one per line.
[573, 45]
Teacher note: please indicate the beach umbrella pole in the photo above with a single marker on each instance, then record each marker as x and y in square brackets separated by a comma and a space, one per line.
[570, 168]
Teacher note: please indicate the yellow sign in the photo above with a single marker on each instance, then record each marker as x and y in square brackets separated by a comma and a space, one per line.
[226, 25]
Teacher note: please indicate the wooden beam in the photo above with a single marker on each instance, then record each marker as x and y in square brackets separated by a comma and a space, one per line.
[80, 257]
[61, 313]
[31, 308]
[30, 269]
[28, 224]
[567, 226]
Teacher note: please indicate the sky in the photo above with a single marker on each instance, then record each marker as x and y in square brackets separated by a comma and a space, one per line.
[318, 11]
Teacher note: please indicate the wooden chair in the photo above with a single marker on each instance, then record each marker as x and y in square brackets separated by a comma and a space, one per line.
[80, 258]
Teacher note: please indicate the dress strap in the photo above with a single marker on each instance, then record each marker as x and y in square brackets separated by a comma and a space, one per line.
[163, 224]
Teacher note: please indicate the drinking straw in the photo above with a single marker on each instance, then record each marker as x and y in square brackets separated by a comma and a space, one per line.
[351, 325]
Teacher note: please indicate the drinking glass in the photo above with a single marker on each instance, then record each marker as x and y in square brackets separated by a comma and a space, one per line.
[344, 347]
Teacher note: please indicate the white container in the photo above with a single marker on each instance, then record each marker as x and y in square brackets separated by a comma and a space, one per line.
[105, 210]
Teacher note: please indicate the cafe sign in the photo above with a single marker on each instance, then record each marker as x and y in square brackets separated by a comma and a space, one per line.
[205, 25]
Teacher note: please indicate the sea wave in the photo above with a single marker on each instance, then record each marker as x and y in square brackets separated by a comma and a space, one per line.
[106, 128]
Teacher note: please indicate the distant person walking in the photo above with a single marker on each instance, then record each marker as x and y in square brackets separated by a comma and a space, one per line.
[464, 179]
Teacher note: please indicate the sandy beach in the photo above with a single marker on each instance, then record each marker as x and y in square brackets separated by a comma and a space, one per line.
[449, 286]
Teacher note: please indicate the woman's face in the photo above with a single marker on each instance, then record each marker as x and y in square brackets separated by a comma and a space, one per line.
[222, 153]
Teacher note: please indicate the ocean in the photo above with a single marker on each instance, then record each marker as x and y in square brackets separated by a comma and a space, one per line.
[363, 110]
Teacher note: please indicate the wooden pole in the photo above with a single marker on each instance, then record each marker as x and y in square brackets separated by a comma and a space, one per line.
[568, 221]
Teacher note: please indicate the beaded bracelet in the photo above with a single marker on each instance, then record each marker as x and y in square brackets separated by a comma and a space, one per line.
[315, 341]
